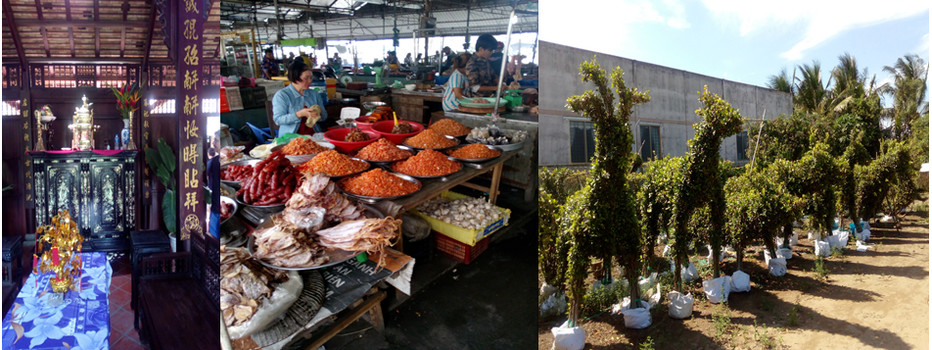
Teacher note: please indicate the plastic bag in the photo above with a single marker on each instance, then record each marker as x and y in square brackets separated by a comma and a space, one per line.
[717, 289]
[654, 299]
[740, 282]
[822, 248]
[777, 266]
[546, 291]
[270, 309]
[838, 240]
[647, 283]
[785, 253]
[554, 305]
[636, 318]
[681, 306]
[568, 338]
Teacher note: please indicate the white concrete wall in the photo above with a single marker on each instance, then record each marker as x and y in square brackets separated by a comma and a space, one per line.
[674, 100]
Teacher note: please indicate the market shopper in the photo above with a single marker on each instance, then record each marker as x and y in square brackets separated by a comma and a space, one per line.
[479, 69]
[409, 61]
[392, 61]
[458, 85]
[269, 67]
[292, 106]
[448, 63]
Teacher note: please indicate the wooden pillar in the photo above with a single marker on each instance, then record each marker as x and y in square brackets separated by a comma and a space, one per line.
[188, 18]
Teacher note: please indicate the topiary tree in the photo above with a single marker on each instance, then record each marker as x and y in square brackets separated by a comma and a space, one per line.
[609, 199]
[784, 137]
[701, 183]
[659, 183]
[875, 179]
[576, 226]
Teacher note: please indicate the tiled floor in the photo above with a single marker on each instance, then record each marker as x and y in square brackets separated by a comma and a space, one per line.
[122, 333]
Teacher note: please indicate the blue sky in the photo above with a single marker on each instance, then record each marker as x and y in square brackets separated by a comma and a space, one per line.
[745, 41]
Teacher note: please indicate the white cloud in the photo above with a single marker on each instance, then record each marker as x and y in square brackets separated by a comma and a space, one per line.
[820, 20]
[923, 47]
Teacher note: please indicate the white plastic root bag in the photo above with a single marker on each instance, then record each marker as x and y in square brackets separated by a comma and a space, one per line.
[568, 338]
[785, 253]
[554, 305]
[689, 273]
[546, 291]
[681, 306]
[647, 283]
[636, 318]
[717, 289]
[822, 248]
[777, 266]
[740, 282]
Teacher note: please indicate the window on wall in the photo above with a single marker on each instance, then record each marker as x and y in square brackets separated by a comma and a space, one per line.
[650, 142]
[582, 142]
[742, 145]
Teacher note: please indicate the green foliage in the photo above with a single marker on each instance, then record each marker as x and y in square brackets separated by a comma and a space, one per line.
[656, 195]
[810, 91]
[161, 161]
[721, 320]
[814, 180]
[610, 201]
[792, 319]
[551, 254]
[758, 204]
[819, 268]
[919, 140]
[575, 223]
[909, 91]
[599, 299]
[648, 344]
[855, 154]
[784, 137]
[892, 168]
[702, 183]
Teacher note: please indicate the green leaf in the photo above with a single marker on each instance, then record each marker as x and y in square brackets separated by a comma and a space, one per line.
[164, 177]
[168, 156]
[169, 210]
[153, 159]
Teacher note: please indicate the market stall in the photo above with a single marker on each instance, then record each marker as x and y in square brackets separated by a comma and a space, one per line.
[89, 88]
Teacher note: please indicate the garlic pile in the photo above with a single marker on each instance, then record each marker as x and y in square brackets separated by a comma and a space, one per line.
[492, 135]
[469, 213]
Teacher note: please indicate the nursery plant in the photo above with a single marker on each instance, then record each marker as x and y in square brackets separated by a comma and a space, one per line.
[701, 183]
[605, 209]
[657, 192]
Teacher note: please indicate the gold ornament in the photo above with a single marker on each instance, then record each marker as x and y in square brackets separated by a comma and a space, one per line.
[63, 243]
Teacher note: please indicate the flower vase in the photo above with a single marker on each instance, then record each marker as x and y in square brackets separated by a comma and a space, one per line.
[128, 136]
[124, 134]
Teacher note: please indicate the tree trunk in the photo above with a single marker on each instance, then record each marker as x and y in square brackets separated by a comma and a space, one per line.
[739, 255]
[787, 233]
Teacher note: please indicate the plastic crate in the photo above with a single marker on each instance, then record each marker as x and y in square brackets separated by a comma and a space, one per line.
[253, 97]
[460, 251]
[467, 236]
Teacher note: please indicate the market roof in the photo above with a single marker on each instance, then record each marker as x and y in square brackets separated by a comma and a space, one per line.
[369, 20]
[92, 31]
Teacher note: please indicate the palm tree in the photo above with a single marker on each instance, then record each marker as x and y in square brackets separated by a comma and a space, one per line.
[849, 82]
[910, 74]
[810, 92]
[781, 82]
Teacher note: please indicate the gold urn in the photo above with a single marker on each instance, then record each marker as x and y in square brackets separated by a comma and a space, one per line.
[83, 127]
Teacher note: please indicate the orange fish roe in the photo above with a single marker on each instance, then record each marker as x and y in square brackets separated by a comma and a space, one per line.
[450, 127]
[377, 183]
[301, 146]
[427, 163]
[382, 150]
[474, 151]
[332, 163]
[429, 139]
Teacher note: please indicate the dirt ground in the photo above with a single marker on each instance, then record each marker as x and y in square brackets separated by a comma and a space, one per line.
[873, 299]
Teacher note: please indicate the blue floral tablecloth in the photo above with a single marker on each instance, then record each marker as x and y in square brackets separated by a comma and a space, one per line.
[80, 320]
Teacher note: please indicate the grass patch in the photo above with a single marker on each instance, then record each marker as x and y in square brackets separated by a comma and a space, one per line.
[598, 299]
[819, 268]
[764, 337]
[721, 320]
[792, 319]
[647, 344]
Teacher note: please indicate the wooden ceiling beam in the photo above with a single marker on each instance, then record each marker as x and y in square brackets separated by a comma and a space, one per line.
[45, 40]
[123, 42]
[71, 39]
[39, 9]
[68, 10]
[149, 35]
[81, 23]
[14, 31]
[96, 42]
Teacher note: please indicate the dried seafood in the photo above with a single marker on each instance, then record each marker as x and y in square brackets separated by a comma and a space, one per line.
[429, 139]
[318, 191]
[427, 163]
[301, 145]
[244, 285]
[474, 151]
[382, 150]
[287, 245]
[402, 128]
[356, 136]
[450, 127]
[493, 135]
[369, 235]
[377, 183]
[332, 163]
[469, 213]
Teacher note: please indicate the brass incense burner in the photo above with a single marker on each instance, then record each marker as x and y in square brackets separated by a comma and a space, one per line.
[83, 127]
[63, 243]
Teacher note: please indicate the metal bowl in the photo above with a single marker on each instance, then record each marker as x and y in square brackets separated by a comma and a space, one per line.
[436, 149]
[506, 147]
[481, 160]
[257, 213]
[370, 105]
[238, 184]
[373, 200]
[225, 199]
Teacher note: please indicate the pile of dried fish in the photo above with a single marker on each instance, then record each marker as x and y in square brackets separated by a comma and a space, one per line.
[369, 235]
[492, 135]
[244, 285]
[285, 244]
[318, 191]
[470, 213]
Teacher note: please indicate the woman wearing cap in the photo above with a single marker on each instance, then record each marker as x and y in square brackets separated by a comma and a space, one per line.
[458, 85]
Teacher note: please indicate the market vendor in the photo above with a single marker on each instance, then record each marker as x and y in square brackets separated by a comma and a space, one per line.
[479, 69]
[295, 108]
[458, 85]
[495, 60]
[447, 65]
[392, 61]
[269, 67]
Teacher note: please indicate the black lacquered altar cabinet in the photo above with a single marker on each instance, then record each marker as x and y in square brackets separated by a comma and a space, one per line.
[96, 187]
